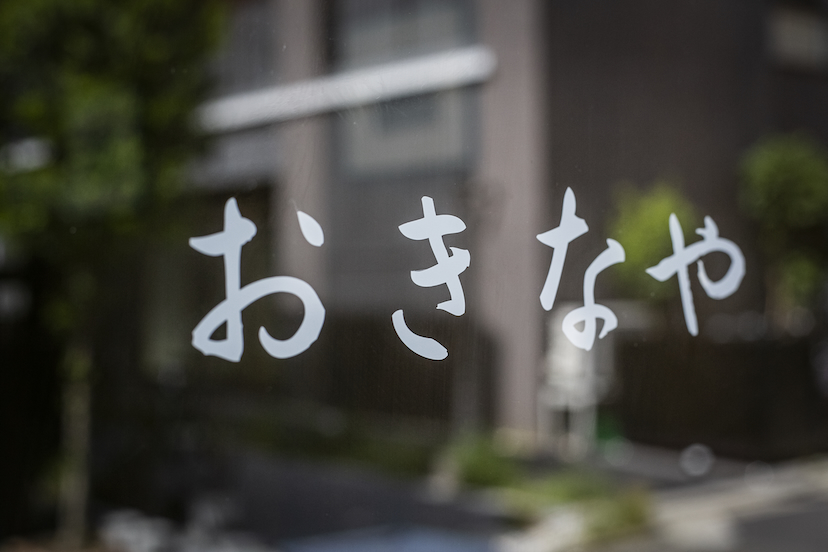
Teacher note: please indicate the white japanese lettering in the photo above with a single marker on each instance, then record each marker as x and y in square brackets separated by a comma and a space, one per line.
[228, 244]
[682, 257]
[433, 227]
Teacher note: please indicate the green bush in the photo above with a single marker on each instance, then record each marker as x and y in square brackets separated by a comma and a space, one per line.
[478, 463]
[641, 225]
[624, 513]
[785, 186]
[785, 190]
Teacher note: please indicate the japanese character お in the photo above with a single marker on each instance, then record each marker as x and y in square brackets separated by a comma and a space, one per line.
[228, 244]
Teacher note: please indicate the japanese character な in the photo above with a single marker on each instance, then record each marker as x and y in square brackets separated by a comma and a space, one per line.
[682, 257]
[559, 238]
[571, 227]
[591, 312]
[433, 227]
[228, 244]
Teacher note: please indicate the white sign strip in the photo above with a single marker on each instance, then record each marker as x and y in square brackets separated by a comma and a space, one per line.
[349, 89]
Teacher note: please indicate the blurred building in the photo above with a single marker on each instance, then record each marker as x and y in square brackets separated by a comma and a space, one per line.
[352, 110]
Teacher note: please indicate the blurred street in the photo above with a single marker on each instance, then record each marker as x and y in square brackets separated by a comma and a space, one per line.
[413, 275]
[300, 507]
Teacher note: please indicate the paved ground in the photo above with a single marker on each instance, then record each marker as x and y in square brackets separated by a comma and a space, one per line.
[284, 500]
[795, 526]
[786, 514]
[295, 506]
[302, 507]
[414, 539]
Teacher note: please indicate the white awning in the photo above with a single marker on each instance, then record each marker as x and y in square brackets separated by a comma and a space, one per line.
[421, 75]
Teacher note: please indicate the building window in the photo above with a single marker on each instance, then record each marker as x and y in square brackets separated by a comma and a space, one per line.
[798, 38]
[248, 56]
[431, 132]
[375, 31]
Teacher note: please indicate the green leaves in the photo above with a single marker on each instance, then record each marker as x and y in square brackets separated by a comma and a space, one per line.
[103, 164]
[110, 85]
[785, 190]
[785, 186]
[106, 89]
[641, 225]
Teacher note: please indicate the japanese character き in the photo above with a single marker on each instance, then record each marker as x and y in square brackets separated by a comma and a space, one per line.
[433, 227]
[228, 244]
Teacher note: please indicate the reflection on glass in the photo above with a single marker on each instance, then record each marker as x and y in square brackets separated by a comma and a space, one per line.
[229, 230]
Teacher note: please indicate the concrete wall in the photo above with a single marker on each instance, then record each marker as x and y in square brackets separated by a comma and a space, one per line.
[509, 196]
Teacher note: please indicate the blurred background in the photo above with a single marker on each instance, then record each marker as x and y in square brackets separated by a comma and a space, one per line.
[126, 126]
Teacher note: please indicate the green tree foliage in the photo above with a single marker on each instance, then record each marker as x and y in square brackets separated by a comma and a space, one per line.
[106, 90]
[641, 226]
[96, 127]
[110, 87]
[785, 190]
